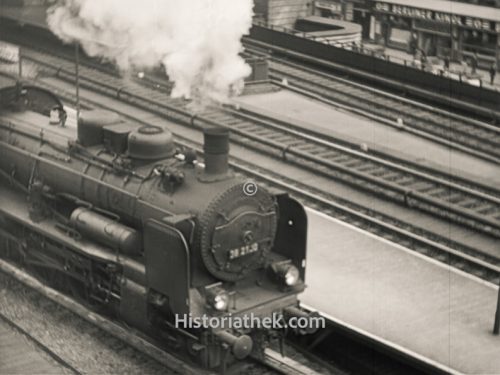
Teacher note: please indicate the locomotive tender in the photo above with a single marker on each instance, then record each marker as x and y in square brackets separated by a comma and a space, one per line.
[114, 214]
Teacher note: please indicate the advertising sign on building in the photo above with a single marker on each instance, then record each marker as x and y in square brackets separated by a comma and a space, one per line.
[334, 7]
[430, 15]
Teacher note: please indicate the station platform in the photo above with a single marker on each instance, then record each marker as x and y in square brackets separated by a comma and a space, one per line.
[323, 119]
[19, 356]
[402, 299]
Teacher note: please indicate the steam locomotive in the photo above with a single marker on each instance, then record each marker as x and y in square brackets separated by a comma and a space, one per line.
[114, 214]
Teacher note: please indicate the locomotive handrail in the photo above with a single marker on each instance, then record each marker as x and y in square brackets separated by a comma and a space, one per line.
[39, 158]
[89, 158]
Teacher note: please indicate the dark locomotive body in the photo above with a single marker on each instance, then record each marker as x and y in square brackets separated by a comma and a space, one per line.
[114, 214]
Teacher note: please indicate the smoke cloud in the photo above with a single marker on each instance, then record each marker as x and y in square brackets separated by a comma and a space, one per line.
[197, 41]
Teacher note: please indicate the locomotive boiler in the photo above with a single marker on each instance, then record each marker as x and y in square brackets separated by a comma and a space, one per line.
[113, 213]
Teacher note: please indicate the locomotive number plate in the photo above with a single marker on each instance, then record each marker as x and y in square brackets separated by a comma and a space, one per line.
[243, 250]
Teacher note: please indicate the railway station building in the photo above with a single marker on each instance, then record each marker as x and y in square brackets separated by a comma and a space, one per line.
[318, 20]
[356, 11]
[458, 29]
[281, 13]
[439, 28]
[285, 13]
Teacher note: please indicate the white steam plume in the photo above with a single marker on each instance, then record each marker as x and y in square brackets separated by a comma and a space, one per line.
[197, 41]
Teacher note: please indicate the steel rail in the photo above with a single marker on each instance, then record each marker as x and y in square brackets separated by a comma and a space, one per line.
[38, 344]
[287, 365]
[385, 94]
[373, 115]
[324, 140]
[489, 114]
[103, 323]
[470, 136]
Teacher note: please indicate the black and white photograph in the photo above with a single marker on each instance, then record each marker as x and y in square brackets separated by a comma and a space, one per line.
[255, 187]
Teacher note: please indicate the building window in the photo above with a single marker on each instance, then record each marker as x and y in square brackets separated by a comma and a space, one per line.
[480, 42]
[400, 36]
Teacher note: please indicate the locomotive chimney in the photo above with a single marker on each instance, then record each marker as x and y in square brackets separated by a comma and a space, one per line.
[216, 148]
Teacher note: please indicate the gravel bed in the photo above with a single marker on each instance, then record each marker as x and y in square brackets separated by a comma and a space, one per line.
[31, 347]
[84, 346]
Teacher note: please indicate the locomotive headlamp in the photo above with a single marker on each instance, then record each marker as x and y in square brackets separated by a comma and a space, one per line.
[286, 272]
[217, 298]
[291, 276]
[220, 301]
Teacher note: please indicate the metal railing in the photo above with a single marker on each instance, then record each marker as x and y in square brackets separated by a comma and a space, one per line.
[379, 51]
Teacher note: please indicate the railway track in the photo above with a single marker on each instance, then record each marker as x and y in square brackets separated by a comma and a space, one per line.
[487, 270]
[466, 134]
[450, 252]
[481, 111]
[462, 133]
[406, 192]
[272, 363]
[116, 333]
[320, 201]
[443, 195]
[24, 352]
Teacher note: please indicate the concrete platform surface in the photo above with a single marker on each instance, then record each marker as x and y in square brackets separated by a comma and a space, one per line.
[324, 119]
[401, 297]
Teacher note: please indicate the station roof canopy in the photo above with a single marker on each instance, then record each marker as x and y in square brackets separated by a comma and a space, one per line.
[451, 7]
